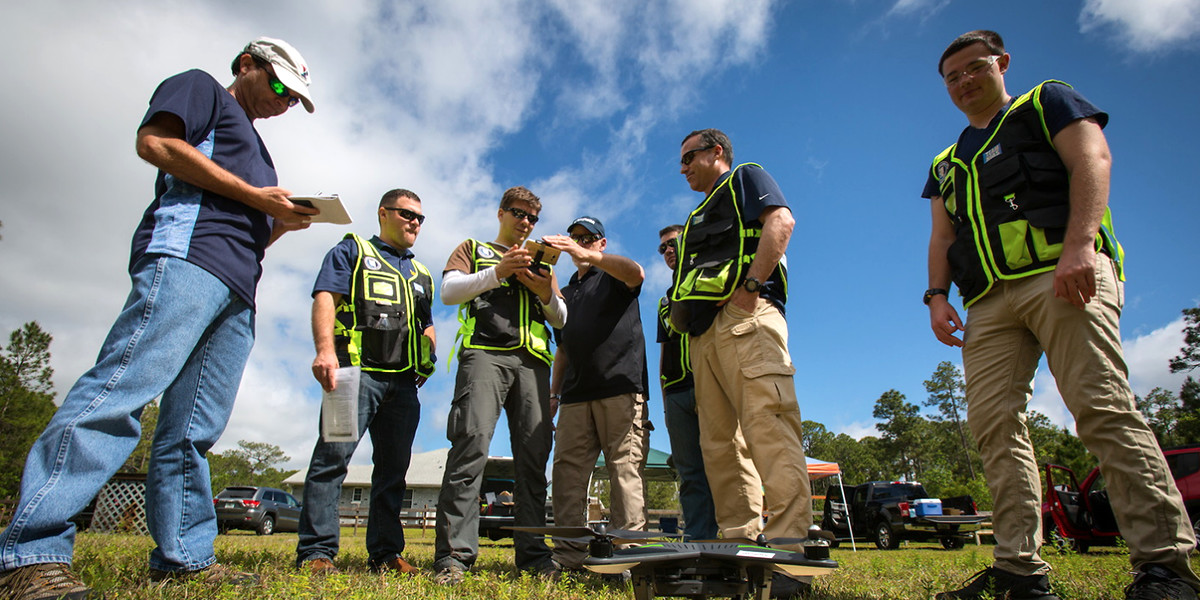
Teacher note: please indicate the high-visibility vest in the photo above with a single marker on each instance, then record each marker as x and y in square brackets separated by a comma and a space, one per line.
[378, 325]
[505, 318]
[716, 247]
[1010, 203]
[675, 365]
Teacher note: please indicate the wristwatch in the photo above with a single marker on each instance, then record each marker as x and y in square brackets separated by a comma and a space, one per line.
[556, 396]
[752, 285]
[931, 292]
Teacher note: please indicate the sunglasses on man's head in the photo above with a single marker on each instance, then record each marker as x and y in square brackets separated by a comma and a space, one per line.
[671, 243]
[406, 214]
[519, 214]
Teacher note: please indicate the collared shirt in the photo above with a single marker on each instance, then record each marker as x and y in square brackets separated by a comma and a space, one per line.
[603, 340]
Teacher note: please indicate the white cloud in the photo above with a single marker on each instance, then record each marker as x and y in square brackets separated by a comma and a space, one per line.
[1144, 25]
[859, 429]
[417, 95]
[1146, 355]
[924, 8]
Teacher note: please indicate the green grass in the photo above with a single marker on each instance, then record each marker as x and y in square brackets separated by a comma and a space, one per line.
[116, 564]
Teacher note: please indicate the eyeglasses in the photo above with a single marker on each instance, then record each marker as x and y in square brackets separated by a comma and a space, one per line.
[974, 69]
[585, 239]
[687, 157]
[281, 90]
[671, 243]
[519, 214]
[406, 214]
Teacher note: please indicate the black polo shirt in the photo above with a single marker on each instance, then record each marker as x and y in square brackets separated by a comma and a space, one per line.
[602, 338]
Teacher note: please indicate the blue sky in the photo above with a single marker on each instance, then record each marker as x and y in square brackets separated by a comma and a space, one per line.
[586, 104]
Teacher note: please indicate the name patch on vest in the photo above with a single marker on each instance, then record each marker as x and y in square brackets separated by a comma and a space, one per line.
[941, 170]
[383, 289]
[992, 152]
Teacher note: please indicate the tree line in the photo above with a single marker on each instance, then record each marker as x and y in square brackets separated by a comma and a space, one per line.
[934, 447]
[27, 404]
[938, 450]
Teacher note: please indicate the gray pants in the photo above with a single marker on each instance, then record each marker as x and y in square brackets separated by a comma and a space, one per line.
[488, 381]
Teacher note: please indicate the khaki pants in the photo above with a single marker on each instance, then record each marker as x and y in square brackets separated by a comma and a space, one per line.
[1006, 333]
[743, 378]
[616, 426]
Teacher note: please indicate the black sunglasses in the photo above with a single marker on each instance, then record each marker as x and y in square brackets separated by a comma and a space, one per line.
[687, 157]
[519, 214]
[671, 243]
[407, 215]
[585, 238]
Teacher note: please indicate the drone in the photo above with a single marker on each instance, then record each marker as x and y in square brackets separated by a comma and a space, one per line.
[735, 568]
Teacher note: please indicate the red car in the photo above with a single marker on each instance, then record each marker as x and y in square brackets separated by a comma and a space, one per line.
[1078, 516]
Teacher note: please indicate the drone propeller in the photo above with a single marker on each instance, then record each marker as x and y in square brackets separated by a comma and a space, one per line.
[762, 540]
[587, 534]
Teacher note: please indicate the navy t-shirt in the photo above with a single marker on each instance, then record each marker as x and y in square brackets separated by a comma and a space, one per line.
[220, 235]
[756, 190]
[1061, 106]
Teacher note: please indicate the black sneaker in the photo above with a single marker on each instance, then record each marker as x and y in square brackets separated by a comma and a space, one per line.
[786, 588]
[44, 581]
[1156, 582]
[993, 583]
[548, 569]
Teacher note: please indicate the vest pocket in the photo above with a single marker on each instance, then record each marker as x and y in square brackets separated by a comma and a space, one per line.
[1016, 250]
[384, 340]
[1048, 227]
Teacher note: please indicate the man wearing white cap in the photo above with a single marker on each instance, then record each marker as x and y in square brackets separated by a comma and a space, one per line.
[183, 335]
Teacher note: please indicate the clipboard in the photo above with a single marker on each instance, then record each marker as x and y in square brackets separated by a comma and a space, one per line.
[331, 207]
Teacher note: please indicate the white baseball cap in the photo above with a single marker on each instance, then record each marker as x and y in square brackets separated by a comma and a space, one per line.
[290, 67]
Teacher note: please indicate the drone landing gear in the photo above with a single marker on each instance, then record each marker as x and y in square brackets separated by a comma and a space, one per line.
[695, 580]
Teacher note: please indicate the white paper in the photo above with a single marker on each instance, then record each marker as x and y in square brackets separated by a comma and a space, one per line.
[332, 210]
[339, 408]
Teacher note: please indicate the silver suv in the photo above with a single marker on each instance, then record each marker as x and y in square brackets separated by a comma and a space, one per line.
[264, 510]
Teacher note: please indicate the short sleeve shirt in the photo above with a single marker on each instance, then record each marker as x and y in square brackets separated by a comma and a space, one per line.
[756, 191]
[1061, 106]
[462, 259]
[338, 268]
[602, 338]
[220, 235]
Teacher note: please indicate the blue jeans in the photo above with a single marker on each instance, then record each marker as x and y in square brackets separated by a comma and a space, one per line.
[695, 498]
[182, 335]
[388, 407]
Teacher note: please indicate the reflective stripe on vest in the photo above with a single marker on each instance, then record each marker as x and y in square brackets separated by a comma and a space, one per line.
[377, 326]
[675, 360]
[1010, 204]
[505, 318]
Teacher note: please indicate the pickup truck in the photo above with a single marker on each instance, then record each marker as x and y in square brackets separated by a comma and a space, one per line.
[1077, 516]
[887, 512]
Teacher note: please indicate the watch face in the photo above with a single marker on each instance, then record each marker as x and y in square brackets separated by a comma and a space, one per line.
[752, 284]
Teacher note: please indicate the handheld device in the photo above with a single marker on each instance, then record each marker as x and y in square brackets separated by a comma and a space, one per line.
[543, 255]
